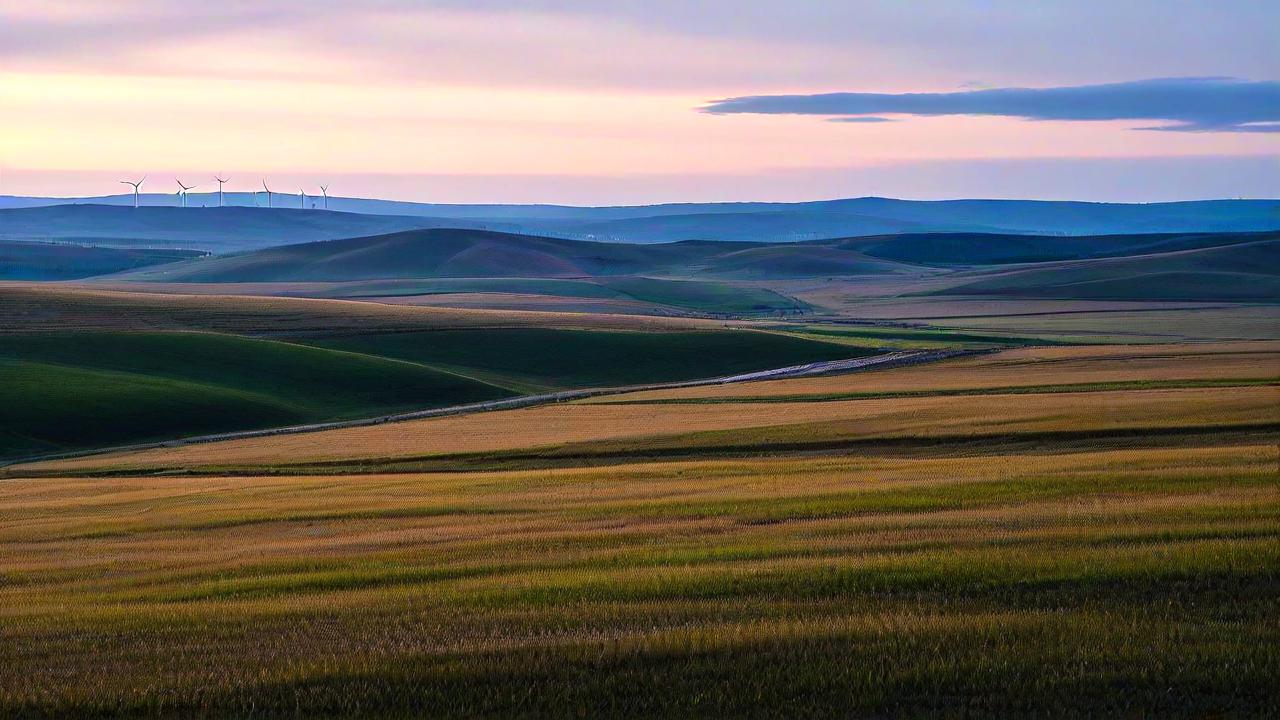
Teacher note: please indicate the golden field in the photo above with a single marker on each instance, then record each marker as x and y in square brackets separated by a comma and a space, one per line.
[1066, 532]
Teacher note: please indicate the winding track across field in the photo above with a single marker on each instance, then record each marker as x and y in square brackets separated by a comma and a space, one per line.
[892, 359]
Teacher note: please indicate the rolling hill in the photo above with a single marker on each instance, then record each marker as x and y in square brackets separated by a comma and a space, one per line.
[688, 274]
[436, 253]
[705, 276]
[1240, 272]
[216, 230]
[758, 221]
[63, 261]
[64, 391]
[553, 358]
[948, 249]
[460, 253]
[69, 390]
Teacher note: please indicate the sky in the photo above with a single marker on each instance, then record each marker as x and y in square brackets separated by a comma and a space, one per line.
[637, 101]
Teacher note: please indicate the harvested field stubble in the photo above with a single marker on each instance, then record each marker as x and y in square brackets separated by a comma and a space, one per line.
[1061, 584]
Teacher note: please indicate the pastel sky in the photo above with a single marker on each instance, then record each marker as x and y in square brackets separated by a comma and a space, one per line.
[634, 101]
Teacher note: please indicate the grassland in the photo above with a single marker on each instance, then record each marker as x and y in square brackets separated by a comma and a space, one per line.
[1241, 322]
[1044, 320]
[698, 296]
[702, 296]
[36, 307]
[1048, 531]
[1240, 272]
[1024, 367]
[68, 391]
[909, 412]
[81, 369]
[542, 358]
[33, 260]
[905, 337]
[1056, 583]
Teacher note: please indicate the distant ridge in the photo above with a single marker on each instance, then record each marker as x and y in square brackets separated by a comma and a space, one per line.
[757, 221]
[217, 230]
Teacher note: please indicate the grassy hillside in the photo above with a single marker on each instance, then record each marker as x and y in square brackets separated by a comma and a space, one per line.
[554, 358]
[801, 261]
[63, 261]
[31, 307]
[435, 254]
[454, 253]
[77, 390]
[559, 287]
[1245, 271]
[700, 296]
[946, 249]
[74, 390]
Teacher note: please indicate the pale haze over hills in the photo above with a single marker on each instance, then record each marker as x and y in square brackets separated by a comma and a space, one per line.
[241, 227]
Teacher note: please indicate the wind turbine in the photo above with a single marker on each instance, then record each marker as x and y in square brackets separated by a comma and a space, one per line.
[304, 198]
[268, 190]
[324, 190]
[220, 180]
[135, 185]
[183, 192]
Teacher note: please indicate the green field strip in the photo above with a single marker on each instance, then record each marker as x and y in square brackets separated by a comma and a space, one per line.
[66, 391]
[556, 358]
[52, 407]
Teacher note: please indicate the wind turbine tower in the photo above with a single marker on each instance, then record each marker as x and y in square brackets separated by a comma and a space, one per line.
[220, 180]
[135, 185]
[183, 192]
[268, 191]
[324, 190]
[303, 193]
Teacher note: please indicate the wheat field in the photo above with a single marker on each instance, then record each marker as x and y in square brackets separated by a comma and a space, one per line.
[1105, 573]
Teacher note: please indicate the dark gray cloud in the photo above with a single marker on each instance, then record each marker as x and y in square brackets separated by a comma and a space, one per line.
[1203, 104]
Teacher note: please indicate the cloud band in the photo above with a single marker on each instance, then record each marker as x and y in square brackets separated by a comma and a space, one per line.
[1202, 104]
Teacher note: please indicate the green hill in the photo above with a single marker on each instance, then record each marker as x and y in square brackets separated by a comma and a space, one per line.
[444, 253]
[544, 358]
[948, 249]
[65, 261]
[1241, 272]
[462, 253]
[77, 390]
